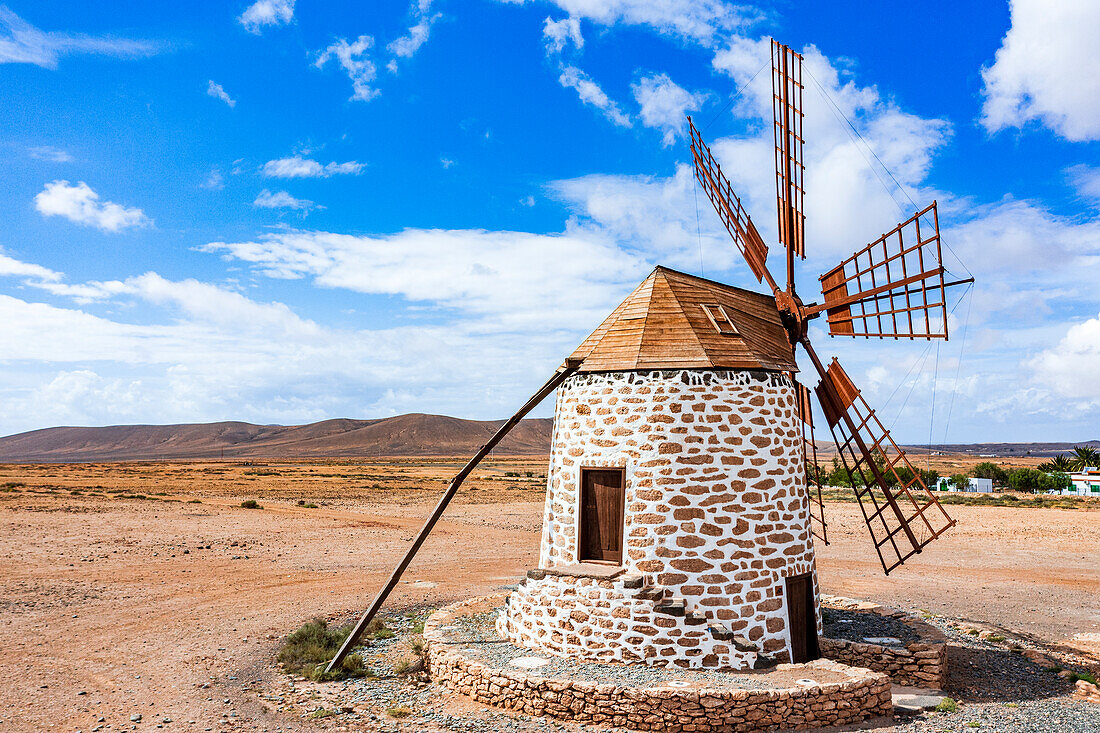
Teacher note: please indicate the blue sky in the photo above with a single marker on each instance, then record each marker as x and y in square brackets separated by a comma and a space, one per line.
[288, 211]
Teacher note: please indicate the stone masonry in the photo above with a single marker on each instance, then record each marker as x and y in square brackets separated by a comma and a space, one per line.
[716, 512]
[623, 619]
[921, 663]
[861, 694]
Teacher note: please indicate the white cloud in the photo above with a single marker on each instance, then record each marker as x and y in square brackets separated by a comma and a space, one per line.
[447, 163]
[1047, 70]
[216, 91]
[299, 167]
[697, 20]
[1086, 179]
[22, 43]
[410, 43]
[266, 12]
[591, 93]
[1070, 368]
[665, 104]
[50, 153]
[11, 267]
[504, 279]
[215, 181]
[361, 71]
[80, 204]
[557, 34]
[283, 200]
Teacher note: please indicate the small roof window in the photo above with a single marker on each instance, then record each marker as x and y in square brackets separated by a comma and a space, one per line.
[720, 319]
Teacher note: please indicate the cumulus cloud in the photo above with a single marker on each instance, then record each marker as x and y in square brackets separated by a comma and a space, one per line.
[557, 34]
[22, 43]
[665, 104]
[1070, 367]
[408, 44]
[216, 91]
[266, 12]
[50, 153]
[283, 200]
[590, 93]
[80, 204]
[1086, 179]
[298, 167]
[352, 58]
[1047, 70]
[701, 21]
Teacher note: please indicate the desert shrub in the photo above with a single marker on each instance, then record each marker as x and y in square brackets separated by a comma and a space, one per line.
[992, 471]
[309, 648]
[399, 712]
[947, 705]
[1087, 677]
[195, 501]
[250, 504]
[1037, 482]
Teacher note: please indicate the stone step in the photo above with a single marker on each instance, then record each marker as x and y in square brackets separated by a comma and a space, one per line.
[672, 607]
[651, 593]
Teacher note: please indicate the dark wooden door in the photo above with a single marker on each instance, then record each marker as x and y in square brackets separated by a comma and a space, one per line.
[801, 619]
[601, 525]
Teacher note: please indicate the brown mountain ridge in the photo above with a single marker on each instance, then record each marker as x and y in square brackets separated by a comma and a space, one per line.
[403, 435]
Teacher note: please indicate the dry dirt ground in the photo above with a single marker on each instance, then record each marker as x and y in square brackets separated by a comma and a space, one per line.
[145, 589]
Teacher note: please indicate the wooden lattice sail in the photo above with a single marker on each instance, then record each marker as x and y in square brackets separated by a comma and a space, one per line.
[894, 287]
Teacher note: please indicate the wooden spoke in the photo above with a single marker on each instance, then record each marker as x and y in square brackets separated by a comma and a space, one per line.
[733, 215]
[901, 513]
[892, 288]
[818, 526]
[789, 166]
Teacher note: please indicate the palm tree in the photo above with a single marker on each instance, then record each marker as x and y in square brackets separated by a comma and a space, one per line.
[1084, 456]
[1059, 464]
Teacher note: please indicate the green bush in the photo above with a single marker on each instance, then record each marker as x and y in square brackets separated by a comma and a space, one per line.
[308, 650]
[250, 504]
[947, 705]
[992, 471]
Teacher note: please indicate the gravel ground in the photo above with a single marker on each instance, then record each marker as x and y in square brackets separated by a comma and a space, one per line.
[861, 625]
[996, 687]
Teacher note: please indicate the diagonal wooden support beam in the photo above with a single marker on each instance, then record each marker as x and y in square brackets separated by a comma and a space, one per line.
[560, 376]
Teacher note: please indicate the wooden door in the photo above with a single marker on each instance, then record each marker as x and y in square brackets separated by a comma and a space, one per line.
[801, 619]
[601, 521]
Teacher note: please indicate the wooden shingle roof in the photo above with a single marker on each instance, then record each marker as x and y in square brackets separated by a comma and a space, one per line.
[665, 324]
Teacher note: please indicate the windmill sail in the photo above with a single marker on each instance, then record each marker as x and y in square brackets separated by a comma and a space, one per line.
[892, 288]
[789, 165]
[733, 215]
[901, 513]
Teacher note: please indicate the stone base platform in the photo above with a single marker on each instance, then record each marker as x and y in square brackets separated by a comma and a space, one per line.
[921, 662]
[467, 654]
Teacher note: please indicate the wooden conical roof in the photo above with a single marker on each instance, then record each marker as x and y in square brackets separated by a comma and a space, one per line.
[663, 325]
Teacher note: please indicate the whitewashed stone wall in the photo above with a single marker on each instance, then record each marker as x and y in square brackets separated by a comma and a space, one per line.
[612, 620]
[716, 508]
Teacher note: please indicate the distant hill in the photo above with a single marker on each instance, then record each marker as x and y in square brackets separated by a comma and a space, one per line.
[404, 435]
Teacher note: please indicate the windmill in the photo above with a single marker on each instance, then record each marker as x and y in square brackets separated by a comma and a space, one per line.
[894, 287]
[656, 500]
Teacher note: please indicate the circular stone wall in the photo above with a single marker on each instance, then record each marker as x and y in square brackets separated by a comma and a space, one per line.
[821, 693]
[716, 509]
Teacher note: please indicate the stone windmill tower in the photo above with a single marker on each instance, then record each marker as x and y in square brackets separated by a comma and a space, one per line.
[677, 527]
[677, 524]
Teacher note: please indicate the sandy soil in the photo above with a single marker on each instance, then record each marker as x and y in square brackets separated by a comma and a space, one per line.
[112, 607]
